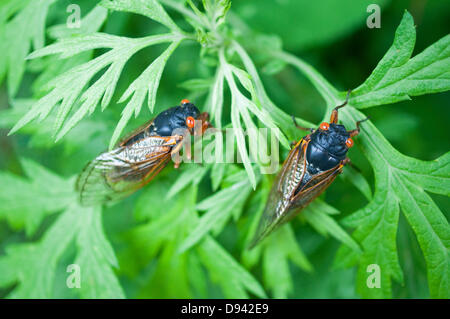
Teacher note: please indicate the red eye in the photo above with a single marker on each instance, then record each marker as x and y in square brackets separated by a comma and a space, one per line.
[349, 142]
[190, 122]
[185, 101]
[325, 126]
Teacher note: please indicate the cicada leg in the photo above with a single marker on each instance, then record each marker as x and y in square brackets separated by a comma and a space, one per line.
[175, 153]
[334, 113]
[357, 130]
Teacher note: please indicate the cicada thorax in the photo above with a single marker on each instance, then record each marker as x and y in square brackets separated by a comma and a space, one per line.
[311, 166]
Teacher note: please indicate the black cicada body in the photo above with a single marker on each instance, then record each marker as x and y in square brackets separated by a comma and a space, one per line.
[311, 166]
[137, 159]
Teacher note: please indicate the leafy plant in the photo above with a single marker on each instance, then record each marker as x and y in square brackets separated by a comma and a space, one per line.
[176, 240]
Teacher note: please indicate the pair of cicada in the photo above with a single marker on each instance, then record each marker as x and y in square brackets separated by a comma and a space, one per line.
[311, 166]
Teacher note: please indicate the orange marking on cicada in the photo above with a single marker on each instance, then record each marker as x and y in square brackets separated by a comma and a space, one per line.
[324, 126]
[190, 122]
[349, 142]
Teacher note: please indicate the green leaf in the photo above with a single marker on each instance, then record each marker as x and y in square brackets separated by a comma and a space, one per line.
[282, 119]
[397, 76]
[96, 258]
[241, 110]
[25, 202]
[377, 223]
[149, 8]
[234, 280]
[68, 88]
[52, 66]
[37, 281]
[175, 286]
[26, 27]
[90, 23]
[30, 201]
[279, 248]
[219, 208]
[358, 180]
[315, 214]
[191, 175]
[215, 98]
[146, 84]
[41, 134]
[196, 85]
[217, 174]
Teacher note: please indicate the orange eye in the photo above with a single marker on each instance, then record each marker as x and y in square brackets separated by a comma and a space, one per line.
[325, 126]
[190, 122]
[185, 101]
[349, 142]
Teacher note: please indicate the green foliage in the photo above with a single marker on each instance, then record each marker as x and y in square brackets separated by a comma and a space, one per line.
[26, 27]
[186, 234]
[25, 201]
[398, 76]
[83, 225]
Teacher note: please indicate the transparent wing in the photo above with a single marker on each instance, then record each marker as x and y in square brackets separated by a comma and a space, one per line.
[116, 174]
[292, 190]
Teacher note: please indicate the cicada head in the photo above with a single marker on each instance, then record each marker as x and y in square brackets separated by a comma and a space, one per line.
[186, 116]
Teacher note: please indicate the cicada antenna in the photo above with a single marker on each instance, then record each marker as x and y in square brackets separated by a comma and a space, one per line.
[301, 127]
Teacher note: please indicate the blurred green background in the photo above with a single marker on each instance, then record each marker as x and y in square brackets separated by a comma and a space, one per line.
[330, 35]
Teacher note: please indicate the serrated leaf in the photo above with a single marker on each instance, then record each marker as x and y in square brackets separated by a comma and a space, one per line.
[215, 98]
[69, 88]
[397, 76]
[219, 208]
[25, 28]
[24, 202]
[191, 175]
[41, 134]
[358, 180]
[149, 8]
[327, 225]
[378, 222]
[234, 280]
[279, 249]
[217, 173]
[89, 23]
[281, 119]
[95, 255]
[196, 85]
[96, 258]
[44, 255]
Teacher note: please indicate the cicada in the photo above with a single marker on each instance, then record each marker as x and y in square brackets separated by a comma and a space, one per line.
[138, 158]
[311, 166]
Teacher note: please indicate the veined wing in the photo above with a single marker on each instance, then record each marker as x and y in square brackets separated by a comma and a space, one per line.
[116, 174]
